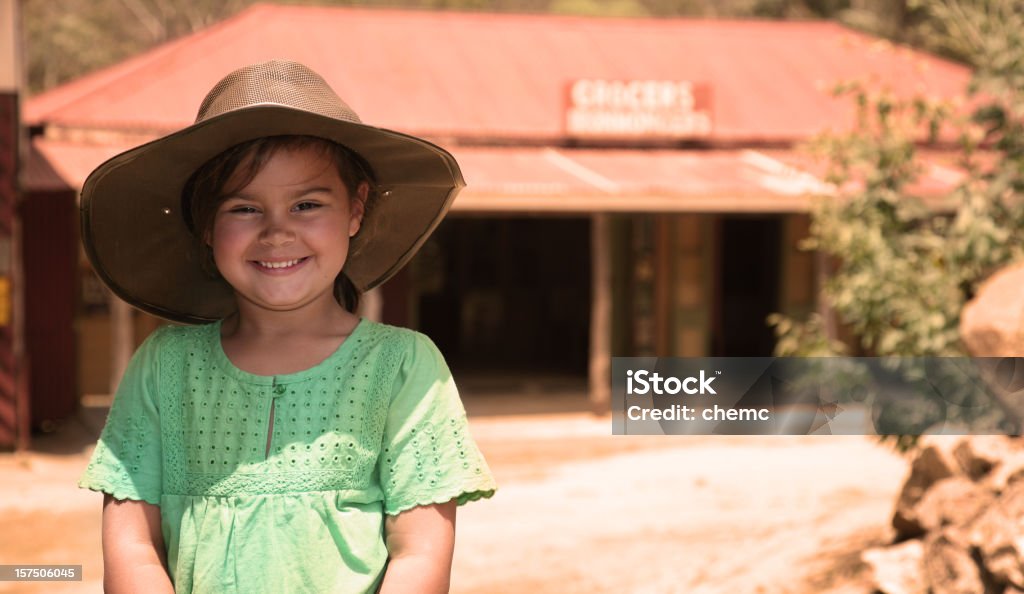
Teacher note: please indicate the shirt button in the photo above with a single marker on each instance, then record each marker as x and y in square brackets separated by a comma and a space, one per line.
[279, 390]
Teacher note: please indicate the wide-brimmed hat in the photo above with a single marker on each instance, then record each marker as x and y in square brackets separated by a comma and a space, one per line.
[137, 239]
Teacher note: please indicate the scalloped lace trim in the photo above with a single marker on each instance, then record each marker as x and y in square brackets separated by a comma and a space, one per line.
[119, 492]
[461, 494]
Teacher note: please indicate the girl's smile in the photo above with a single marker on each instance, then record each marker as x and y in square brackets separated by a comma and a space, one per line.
[287, 265]
[282, 240]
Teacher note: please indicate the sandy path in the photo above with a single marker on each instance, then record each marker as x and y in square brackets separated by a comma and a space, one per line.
[579, 511]
[696, 515]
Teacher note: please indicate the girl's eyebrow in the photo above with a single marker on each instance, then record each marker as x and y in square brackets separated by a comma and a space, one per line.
[242, 195]
[313, 190]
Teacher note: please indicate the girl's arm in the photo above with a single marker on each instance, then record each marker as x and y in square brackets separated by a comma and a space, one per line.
[134, 559]
[420, 544]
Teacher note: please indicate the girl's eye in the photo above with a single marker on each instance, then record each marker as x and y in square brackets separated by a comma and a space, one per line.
[242, 209]
[307, 205]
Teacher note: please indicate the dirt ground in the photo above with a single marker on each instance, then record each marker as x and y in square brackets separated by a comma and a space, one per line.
[578, 510]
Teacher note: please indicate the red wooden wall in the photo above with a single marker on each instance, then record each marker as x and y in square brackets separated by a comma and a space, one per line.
[49, 254]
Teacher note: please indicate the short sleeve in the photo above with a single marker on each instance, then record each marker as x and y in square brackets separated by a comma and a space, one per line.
[127, 461]
[428, 455]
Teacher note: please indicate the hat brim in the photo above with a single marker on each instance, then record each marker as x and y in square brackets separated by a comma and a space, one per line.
[136, 238]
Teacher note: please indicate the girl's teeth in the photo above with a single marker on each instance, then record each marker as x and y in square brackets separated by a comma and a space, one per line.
[279, 264]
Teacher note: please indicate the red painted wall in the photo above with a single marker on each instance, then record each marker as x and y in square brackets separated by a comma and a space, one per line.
[49, 255]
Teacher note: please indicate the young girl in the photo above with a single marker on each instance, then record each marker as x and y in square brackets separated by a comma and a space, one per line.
[285, 444]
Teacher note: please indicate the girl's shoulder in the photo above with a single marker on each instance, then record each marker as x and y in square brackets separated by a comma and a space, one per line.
[396, 339]
[173, 337]
[171, 343]
[401, 353]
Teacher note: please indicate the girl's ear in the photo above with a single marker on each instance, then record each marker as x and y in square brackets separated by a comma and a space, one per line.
[357, 208]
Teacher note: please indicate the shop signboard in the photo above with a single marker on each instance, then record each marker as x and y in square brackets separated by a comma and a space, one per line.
[638, 109]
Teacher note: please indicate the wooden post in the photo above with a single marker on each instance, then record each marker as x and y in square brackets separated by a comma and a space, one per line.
[371, 305]
[600, 314]
[664, 285]
[828, 319]
[122, 339]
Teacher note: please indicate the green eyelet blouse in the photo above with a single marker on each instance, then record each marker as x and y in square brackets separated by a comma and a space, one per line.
[376, 428]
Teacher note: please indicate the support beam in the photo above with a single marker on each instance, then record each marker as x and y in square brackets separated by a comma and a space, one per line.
[371, 305]
[828, 317]
[122, 339]
[600, 314]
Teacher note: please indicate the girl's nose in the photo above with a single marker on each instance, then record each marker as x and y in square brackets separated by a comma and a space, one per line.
[276, 232]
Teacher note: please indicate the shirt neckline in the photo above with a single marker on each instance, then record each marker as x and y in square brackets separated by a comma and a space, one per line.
[234, 371]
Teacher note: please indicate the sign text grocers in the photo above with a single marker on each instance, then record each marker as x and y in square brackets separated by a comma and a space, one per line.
[629, 109]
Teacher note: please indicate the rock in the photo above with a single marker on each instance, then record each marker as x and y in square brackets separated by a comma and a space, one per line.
[979, 454]
[948, 565]
[1009, 471]
[934, 462]
[898, 569]
[991, 324]
[953, 501]
[998, 534]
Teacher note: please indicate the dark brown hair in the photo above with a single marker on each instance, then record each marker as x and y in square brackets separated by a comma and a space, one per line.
[235, 168]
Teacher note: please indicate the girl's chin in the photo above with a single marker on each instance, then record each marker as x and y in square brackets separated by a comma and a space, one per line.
[285, 304]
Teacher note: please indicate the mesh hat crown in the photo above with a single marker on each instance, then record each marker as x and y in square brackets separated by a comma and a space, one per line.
[132, 225]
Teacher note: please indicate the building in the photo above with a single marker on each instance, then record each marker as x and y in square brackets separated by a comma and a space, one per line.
[635, 185]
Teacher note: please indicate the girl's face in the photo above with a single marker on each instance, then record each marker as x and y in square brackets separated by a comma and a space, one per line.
[281, 240]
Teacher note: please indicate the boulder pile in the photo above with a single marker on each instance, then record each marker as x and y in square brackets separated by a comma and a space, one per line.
[992, 324]
[959, 520]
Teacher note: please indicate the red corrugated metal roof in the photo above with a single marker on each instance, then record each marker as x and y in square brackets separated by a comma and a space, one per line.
[589, 172]
[444, 74]
[56, 164]
[39, 174]
[619, 180]
[581, 180]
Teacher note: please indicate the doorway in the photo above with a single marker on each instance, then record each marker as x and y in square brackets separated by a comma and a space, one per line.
[507, 294]
[747, 287]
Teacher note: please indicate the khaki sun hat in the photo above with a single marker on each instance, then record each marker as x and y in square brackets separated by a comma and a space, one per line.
[137, 239]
